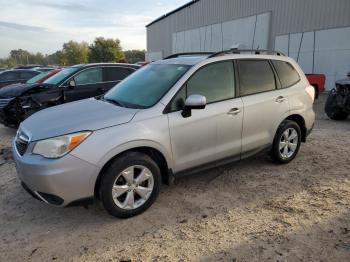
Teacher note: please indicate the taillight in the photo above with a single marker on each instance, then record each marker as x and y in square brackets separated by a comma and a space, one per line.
[310, 90]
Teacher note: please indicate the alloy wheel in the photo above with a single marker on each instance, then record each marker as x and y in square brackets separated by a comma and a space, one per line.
[288, 143]
[132, 187]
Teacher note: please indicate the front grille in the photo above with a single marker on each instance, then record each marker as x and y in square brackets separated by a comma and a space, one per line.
[4, 102]
[21, 142]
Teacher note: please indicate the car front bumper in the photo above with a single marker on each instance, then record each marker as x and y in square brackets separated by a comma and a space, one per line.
[58, 182]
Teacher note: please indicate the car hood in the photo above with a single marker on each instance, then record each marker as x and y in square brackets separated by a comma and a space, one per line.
[15, 90]
[89, 114]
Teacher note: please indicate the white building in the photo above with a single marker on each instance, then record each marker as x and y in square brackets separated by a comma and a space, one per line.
[314, 32]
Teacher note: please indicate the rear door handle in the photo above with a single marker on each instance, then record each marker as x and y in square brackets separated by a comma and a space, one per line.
[281, 99]
[234, 111]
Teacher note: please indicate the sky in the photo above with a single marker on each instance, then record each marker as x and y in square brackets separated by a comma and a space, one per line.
[44, 25]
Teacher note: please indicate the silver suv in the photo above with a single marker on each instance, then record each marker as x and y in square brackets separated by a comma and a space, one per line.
[178, 115]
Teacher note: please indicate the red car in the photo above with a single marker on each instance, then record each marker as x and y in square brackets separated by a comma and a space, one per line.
[318, 82]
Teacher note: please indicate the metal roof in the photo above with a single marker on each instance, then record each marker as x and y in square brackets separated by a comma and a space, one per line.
[172, 12]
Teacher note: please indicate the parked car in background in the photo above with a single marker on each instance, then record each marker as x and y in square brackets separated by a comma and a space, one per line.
[338, 102]
[27, 66]
[142, 63]
[69, 84]
[44, 69]
[172, 117]
[8, 77]
[318, 81]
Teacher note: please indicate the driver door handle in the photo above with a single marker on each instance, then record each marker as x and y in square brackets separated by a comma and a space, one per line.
[234, 111]
[281, 99]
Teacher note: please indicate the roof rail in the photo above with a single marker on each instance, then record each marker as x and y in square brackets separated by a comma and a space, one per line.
[189, 54]
[240, 51]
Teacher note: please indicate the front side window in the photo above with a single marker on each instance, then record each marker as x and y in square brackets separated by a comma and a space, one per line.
[255, 76]
[286, 73]
[146, 86]
[37, 78]
[89, 76]
[28, 74]
[60, 76]
[214, 81]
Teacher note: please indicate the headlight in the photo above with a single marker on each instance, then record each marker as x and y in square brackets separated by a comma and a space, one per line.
[59, 146]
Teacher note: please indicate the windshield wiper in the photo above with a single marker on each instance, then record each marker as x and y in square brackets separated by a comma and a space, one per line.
[112, 101]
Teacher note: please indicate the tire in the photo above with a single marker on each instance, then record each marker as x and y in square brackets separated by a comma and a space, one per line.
[120, 177]
[333, 111]
[278, 154]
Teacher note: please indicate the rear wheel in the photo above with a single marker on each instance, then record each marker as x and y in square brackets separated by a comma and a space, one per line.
[286, 143]
[130, 185]
[332, 109]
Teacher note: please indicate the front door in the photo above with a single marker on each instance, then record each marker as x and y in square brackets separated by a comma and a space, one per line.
[88, 83]
[214, 132]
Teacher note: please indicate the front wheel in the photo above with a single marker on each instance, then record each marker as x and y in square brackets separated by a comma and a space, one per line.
[287, 142]
[130, 185]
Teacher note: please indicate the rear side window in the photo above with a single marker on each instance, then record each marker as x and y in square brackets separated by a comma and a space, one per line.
[8, 76]
[286, 73]
[255, 76]
[117, 73]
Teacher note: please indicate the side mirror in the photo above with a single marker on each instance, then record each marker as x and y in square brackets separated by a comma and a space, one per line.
[71, 84]
[193, 102]
[349, 74]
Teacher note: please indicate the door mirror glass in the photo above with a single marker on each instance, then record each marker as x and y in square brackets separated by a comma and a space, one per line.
[71, 83]
[193, 102]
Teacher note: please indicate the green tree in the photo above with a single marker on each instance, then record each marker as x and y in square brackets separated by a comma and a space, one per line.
[105, 50]
[74, 53]
[134, 56]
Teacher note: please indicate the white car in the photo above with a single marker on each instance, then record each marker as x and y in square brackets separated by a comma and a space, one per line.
[178, 115]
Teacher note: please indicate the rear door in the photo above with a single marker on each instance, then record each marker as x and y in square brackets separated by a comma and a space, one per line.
[114, 74]
[88, 83]
[265, 105]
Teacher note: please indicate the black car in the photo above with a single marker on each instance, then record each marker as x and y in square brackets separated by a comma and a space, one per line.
[71, 84]
[338, 102]
[8, 77]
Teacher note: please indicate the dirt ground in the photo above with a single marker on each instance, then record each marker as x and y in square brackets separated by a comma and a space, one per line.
[252, 210]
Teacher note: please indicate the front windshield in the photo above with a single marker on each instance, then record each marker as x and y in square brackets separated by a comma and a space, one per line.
[37, 78]
[147, 86]
[57, 78]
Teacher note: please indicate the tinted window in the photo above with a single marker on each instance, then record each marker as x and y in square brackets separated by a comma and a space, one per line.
[28, 74]
[60, 76]
[147, 85]
[256, 76]
[36, 78]
[8, 76]
[215, 82]
[89, 76]
[286, 73]
[117, 73]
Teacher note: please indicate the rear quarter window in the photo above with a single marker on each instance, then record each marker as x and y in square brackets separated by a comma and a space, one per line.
[286, 73]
